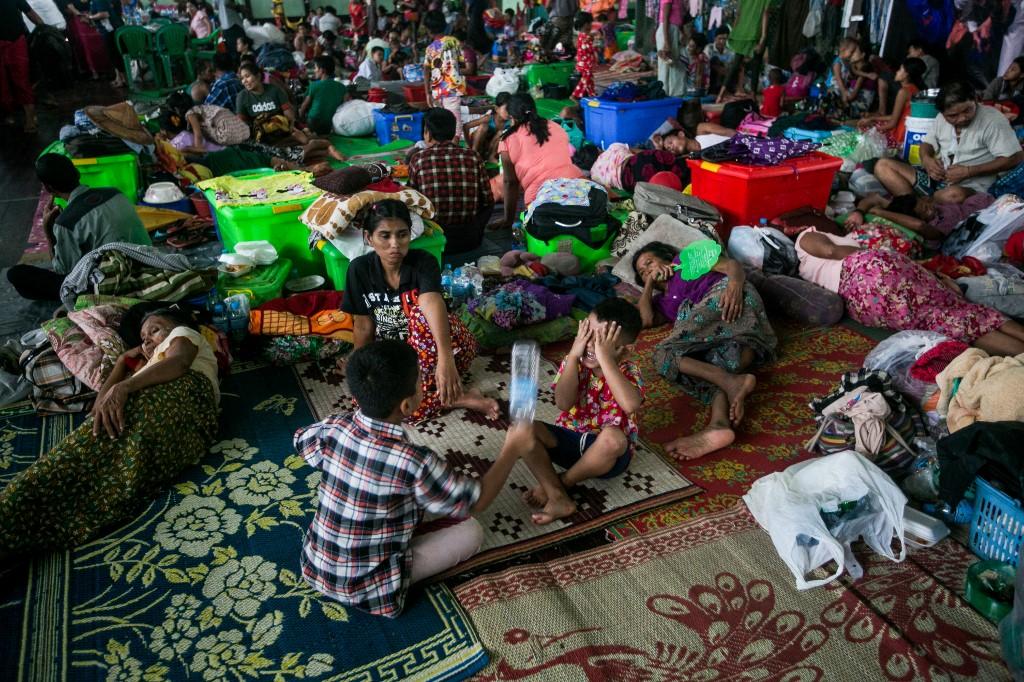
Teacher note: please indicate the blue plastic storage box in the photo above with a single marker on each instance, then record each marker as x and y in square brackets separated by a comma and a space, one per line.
[391, 127]
[627, 122]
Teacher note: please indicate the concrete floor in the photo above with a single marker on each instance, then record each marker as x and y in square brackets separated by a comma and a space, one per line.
[19, 190]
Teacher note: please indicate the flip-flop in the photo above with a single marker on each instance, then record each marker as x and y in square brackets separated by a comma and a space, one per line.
[188, 239]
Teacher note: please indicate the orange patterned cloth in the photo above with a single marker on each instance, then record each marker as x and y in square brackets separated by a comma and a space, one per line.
[333, 324]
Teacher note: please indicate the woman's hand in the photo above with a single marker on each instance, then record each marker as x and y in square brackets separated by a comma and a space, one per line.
[449, 385]
[658, 273]
[108, 412]
[949, 283]
[732, 300]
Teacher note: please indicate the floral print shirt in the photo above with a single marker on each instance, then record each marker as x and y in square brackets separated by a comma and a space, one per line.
[444, 61]
[596, 407]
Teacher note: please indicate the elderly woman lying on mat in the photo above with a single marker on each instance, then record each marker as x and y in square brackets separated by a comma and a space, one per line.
[720, 331]
[147, 426]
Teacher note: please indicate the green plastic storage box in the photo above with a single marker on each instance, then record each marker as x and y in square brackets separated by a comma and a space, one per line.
[277, 223]
[337, 263]
[120, 171]
[589, 256]
[556, 73]
[263, 283]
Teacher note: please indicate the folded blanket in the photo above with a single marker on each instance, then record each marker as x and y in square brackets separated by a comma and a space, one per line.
[86, 274]
[976, 387]
[121, 275]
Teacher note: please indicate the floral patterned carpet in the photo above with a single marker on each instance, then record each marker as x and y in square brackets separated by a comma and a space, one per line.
[204, 583]
[707, 599]
[778, 421]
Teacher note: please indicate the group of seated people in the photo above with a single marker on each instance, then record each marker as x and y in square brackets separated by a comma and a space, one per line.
[156, 413]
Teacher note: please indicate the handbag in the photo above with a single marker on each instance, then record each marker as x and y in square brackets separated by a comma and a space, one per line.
[895, 428]
[655, 200]
[796, 221]
[54, 388]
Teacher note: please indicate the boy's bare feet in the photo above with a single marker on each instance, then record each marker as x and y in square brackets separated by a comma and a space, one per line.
[536, 497]
[739, 387]
[474, 400]
[557, 508]
[701, 443]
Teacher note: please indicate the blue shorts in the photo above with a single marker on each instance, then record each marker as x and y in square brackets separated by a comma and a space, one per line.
[570, 446]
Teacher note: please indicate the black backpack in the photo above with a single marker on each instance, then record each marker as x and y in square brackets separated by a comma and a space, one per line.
[733, 113]
[590, 224]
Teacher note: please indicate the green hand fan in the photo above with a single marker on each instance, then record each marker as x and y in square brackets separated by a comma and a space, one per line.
[697, 259]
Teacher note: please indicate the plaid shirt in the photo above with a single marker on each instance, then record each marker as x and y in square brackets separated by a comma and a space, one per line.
[454, 179]
[375, 488]
[224, 91]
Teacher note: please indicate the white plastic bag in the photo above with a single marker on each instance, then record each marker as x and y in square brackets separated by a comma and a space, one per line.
[984, 234]
[763, 248]
[503, 80]
[789, 504]
[872, 145]
[355, 118]
[898, 353]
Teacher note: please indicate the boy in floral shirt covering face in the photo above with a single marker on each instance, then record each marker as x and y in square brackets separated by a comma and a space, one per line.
[599, 392]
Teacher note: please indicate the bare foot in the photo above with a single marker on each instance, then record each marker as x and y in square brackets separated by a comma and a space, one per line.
[701, 443]
[536, 497]
[555, 509]
[335, 154]
[739, 387]
[474, 400]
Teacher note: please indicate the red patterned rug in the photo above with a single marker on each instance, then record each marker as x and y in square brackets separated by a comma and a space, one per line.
[778, 421]
[710, 599]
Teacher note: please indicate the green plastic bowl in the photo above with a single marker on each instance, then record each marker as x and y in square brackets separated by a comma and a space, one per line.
[981, 597]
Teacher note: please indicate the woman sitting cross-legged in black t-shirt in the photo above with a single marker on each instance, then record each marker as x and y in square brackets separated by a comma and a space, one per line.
[395, 293]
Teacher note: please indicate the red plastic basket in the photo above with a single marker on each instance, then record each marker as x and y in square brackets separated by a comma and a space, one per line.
[744, 194]
[414, 93]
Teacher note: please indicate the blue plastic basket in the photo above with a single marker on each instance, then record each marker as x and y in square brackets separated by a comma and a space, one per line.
[997, 528]
[627, 122]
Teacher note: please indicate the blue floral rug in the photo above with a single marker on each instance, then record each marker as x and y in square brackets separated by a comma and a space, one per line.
[204, 583]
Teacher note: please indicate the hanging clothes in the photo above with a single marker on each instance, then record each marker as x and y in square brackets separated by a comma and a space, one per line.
[747, 32]
[789, 38]
[1013, 41]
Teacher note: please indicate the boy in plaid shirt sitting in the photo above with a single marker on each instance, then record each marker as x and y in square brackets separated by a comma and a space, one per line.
[360, 548]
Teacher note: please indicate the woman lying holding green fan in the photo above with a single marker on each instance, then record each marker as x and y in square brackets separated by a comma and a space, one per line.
[720, 332]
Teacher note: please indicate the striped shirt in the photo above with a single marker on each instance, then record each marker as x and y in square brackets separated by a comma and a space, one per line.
[374, 490]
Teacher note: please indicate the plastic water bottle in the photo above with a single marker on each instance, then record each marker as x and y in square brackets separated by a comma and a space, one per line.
[238, 320]
[518, 239]
[460, 286]
[447, 277]
[220, 319]
[523, 393]
[474, 279]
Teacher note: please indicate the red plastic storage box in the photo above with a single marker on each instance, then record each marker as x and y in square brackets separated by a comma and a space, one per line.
[745, 194]
[415, 93]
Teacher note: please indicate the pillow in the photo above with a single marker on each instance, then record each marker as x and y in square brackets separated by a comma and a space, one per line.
[87, 342]
[331, 215]
[665, 229]
[798, 299]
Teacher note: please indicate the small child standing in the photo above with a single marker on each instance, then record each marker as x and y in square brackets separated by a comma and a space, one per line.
[442, 69]
[599, 391]
[771, 98]
[323, 98]
[362, 547]
[586, 56]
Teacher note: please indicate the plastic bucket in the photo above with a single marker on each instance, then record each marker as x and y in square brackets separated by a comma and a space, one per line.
[917, 128]
[923, 108]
